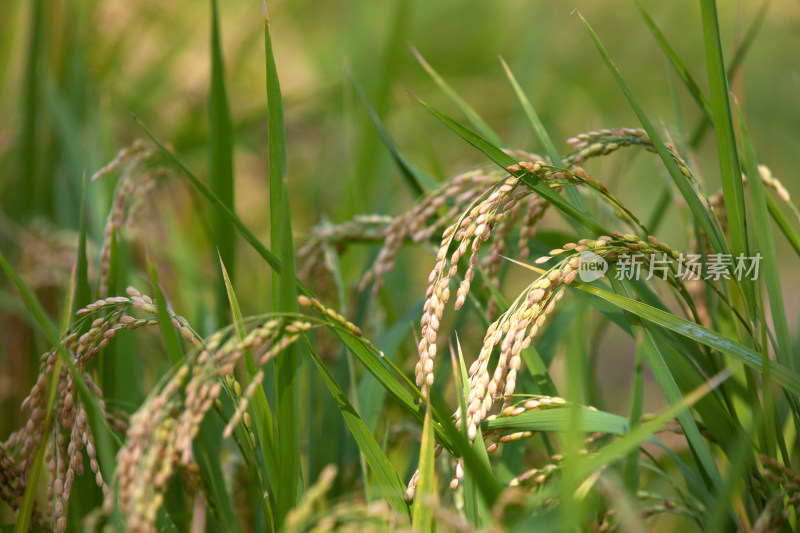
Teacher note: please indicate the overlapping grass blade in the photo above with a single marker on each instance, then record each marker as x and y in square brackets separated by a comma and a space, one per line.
[736, 62]
[766, 248]
[474, 507]
[725, 345]
[784, 224]
[541, 132]
[472, 116]
[264, 423]
[220, 163]
[747, 356]
[711, 230]
[676, 62]
[559, 419]
[425, 498]
[504, 161]
[82, 291]
[415, 180]
[388, 481]
[619, 448]
[288, 369]
[484, 480]
[722, 118]
[168, 333]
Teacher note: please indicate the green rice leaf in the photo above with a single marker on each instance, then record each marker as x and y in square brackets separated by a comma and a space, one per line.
[747, 356]
[573, 193]
[711, 230]
[766, 248]
[416, 180]
[168, 333]
[676, 62]
[731, 174]
[504, 161]
[560, 418]
[264, 423]
[390, 484]
[288, 367]
[220, 162]
[472, 116]
[82, 294]
[425, 498]
[783, 223]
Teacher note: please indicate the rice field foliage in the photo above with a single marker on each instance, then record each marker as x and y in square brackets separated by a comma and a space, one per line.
[296, 266]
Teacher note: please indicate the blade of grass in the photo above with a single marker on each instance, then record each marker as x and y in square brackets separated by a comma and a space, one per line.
[265, 430]
[484, 479]
[168, 333]
[473, 506]
[676, 62]
[619, 448]
[550, 149]
[388, 480]
[736, 62]
[784, 224]
[425, 498]
[504, 161]
[82, 295]
[472, 116]
[631, 473]
[220, 163]
[711, 230]
[383, 74]
[416, 181]
[560, 419]
[766, 247]
[288, 369]
[244, 231]
[732, 187]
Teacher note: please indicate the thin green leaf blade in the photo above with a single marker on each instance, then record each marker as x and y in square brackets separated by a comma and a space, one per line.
[504, 161]
[766, 249]
[416, 181]
[560, 419]
[472, 116]
[220, 162]
[722, 118]
[388, 480]
[422, 518]
[288, 369]
[704, 219]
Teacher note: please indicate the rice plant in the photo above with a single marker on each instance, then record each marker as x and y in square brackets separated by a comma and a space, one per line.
[447, 366]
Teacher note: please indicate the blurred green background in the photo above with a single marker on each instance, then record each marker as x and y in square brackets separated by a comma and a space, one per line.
[73, 71]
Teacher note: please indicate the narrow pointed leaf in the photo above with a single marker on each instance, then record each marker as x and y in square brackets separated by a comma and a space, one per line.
[709, 227]
[220, 150]
[390, 484]
[472, 116]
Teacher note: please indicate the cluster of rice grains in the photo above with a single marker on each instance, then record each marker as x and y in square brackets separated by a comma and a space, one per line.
[494, 211]
[70, 435]
[158, 436]
[159, 439]
[139, 172]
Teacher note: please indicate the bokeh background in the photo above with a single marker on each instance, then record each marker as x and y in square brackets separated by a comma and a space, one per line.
[73, 71]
